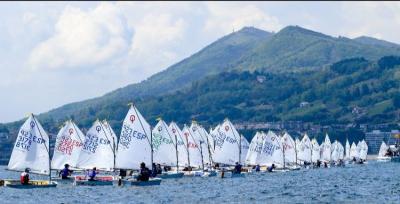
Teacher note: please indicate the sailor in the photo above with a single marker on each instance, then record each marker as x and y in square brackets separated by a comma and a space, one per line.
[65, 172]
[158, 169]
[270, 168]
[92, 174]
[318, 163]
[325, 164]
[153, 170]
[238, 168]
[24, 178]
[257, 168]
[144, 173]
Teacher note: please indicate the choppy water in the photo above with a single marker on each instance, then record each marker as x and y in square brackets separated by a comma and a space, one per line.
[370, 183]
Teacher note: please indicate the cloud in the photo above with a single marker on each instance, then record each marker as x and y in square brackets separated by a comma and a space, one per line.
[376, 19]
[83, 38]
[223, 17]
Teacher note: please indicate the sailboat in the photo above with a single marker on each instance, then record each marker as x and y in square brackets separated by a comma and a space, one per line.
[183, 159]
[326, 149]
[271, 152]
[134, 146]
[353, 151]
[227, 148]
[31, 150]
[382, 153]
[165, 150]
[97, 151]
[68, 146]
[244, 149]
[289, 151]
[255, 148]
[335, 151]
[347, 155]
[304, 150]
[363, 150]
[315, 151]
[198, 134]
[195, 156]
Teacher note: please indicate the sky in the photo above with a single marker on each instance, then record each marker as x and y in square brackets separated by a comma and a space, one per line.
[54, 53]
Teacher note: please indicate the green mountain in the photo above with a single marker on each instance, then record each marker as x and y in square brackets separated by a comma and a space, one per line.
[295, 48]
[288, 53]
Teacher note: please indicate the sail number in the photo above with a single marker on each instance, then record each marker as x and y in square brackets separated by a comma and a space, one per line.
[25, 139]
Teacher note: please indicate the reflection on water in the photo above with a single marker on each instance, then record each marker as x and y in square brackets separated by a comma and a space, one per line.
[373, 182]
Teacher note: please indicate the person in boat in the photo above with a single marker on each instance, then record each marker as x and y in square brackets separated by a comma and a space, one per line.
[325, 164]
[158, 169]
[66, 172]
[318, 163]
[144, 173]
[153, 170]
[354, 159]
[24, 178]
[238, 168]
[216, 166]
[122, 173]
[92, 174]
[271, 168]
[257, 168]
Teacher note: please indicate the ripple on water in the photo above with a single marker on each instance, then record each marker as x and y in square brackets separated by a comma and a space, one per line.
[371, 183]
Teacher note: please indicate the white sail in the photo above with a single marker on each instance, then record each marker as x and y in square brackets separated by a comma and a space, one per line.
[164, 151]
[288, 145]
[363, 150]
[245, 148]
[271, 152]
[195, 157]
[201, 141]
[347, 149]
[209, 143]
[315, 151]
[227, 144]
[304, 150]
[335, 151]
[353, 151]
[341, 151]
[111, 132]
[255, 148]
[383, 150]
[214, 133]
[31, 149]
[134, 141]
[97, 149]
[326, 149]
[68, 146]
[182, 146]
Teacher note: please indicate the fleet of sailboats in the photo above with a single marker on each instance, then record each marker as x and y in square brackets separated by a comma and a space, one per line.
[192, 147]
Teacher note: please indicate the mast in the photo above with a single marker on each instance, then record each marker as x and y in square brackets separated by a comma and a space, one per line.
[283, 151]
[208, 147]
[48, 151]
[187, 150]
[176, 146]
[201, 152]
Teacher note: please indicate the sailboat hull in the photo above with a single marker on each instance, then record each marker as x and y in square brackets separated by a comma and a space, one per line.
[32, 184]
[100, 181]
[151, 182]
[171, 175]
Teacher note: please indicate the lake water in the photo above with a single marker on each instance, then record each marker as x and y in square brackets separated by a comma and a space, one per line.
[370, 183]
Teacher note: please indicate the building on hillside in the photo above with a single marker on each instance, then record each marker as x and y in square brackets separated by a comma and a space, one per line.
[374, 139]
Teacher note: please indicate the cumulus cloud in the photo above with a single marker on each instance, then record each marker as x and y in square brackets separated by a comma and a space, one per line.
[376, 19]
[223, 17]
[83, 38]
